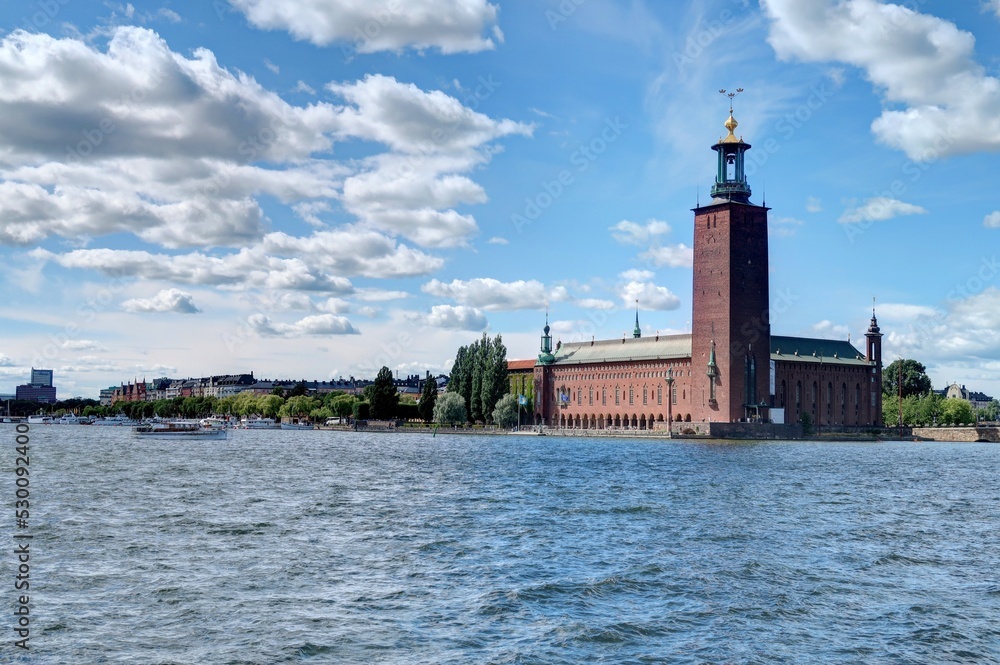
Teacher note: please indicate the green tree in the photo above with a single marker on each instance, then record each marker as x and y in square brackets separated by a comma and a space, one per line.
[362, 411]
[807, 423]
[956, 411]
[991, 411]
[428, 397]
[343, 405]
[298, 390]
[269, 405]
[505, 413]
[278, 391]
[298, 406]
[450, 409]
[383, 395]
[460, 382]
[915, 379]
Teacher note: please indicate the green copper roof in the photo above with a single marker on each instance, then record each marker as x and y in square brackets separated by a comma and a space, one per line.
[624, 350]
[805, 349]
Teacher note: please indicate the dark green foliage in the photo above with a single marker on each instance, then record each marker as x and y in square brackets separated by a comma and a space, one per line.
[362, 411]
[383, 396]
[807, 423]
[299, 390]
[479, 375]
[407, 411]
[428, 397]
[915, 379]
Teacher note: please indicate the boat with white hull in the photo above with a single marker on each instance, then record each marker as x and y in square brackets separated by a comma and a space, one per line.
[177, 430]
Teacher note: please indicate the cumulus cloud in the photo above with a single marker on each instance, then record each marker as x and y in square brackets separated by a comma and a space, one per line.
[631, 233]
[167, 300]
[671, 256]
[83, 345]
[782, 227]
[827, 329]
[453, 317]
[879, 209]
[318, 325]
[992, 220]
[493, 295]
[595, 303]
[496, 240]
[920, 61]
[813, 204]
[649, 295]
[637, 275]
[453, 26]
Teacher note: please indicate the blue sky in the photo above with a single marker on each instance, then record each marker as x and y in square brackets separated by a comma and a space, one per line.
[317, 188]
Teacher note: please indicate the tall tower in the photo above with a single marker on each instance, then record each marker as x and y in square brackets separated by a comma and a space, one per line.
[873, 354]
[730, 327]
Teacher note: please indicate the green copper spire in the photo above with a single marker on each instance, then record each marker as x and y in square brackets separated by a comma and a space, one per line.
[713, 370]
[546, 357]
[637, 333]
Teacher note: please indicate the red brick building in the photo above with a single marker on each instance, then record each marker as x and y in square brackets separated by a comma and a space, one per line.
[729, 368]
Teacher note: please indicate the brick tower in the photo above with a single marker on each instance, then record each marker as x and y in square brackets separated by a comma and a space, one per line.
[730, 328]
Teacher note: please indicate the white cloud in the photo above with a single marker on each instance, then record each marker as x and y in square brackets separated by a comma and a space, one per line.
[378, 295]
[318, 325]
[995, 6]
[903, 312]
[302, 86]
[879, 209]
[273, 68]
[782, 227]
[6, 361]
[992, 220]
[496, 240]
[631, 233]
[917, 60]
[813, 204]
[455, 317]
[829, 330]
[595, 303]
[492, 295]
[83, 345]
[649, 295]
[453, 26]
[167, 300]
[672, 256]
[637, 275]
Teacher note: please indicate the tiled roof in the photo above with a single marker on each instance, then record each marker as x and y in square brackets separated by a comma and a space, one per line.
[624, 350]
[808, 350]
[515, 365]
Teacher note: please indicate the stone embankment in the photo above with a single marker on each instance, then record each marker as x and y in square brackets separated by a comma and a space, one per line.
[958, 434]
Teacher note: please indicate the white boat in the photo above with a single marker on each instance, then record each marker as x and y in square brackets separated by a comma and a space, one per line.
[180, 429]
[259, 423]
[121, 420]
[39, 420]
[70, 419]
[297, 424]
[215, 423]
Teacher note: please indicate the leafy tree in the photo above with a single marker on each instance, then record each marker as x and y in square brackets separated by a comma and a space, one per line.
[362, 410]
[428, 397]
[407, 411]
[505, 414]
[957, 411]
[991, 411]
[343, 405]
[450, 409]
[494, 370]
[383, 395]
[915, 379]
[461, 376]
[298, 390]
[269, 405]
[298, 406]
[321, 414]
[278, 390]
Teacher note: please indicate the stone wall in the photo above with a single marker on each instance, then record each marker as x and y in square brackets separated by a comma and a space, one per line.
[958, 434]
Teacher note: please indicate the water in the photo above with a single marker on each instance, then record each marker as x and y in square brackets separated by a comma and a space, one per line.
[323, 547]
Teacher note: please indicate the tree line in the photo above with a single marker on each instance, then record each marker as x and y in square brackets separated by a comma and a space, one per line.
[907, 379]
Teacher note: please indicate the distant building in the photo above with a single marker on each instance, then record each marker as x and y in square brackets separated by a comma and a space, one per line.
[40, 389]
[41, 377]
[976, 399]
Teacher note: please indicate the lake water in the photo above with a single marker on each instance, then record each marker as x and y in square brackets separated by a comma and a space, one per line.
[329, 547]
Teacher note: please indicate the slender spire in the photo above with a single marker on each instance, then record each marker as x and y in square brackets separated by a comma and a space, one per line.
[637, 333]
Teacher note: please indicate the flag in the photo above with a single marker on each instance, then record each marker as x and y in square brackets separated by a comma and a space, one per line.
[522, 400]
[564, 397]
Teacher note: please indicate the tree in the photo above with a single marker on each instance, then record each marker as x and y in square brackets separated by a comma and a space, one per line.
[278, 390]
[269, 405]
[505, 414]
[383, 396]
[428, 397]
[461, 376]
[915, 379]
[343, 405]
[807, 423]
[299, 390]
[450, 409]
[298, 407]
[957, 411]
[361, 411]
[495, 379]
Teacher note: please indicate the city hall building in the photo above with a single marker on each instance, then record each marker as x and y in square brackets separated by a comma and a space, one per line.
[730, 368]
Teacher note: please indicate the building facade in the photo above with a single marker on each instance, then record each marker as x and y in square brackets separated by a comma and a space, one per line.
[729, 368]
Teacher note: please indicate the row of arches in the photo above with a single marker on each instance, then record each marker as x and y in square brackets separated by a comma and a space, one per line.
[609, 421]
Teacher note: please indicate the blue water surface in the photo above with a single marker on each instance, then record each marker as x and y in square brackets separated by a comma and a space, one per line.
[332, 547]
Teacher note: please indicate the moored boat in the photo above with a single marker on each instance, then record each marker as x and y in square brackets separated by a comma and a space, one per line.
[121, 420]
[259, 423]
[177, 430]
[297, 423]
[39, 420]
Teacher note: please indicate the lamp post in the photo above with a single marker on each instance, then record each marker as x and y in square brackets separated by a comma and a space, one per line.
[670, 401]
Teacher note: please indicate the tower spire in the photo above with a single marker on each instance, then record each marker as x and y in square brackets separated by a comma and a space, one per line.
[637, 333]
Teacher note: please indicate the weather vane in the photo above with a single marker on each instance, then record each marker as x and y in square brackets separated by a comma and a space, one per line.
[731, 95]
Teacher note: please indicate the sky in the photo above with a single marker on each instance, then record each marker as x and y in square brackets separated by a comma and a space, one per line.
[312, 189]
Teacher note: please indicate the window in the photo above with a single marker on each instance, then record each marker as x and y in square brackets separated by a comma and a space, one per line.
[616, 396]
[673, 395]
[591, 396]
[631, 396]
[644, 392]
[659, 395]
